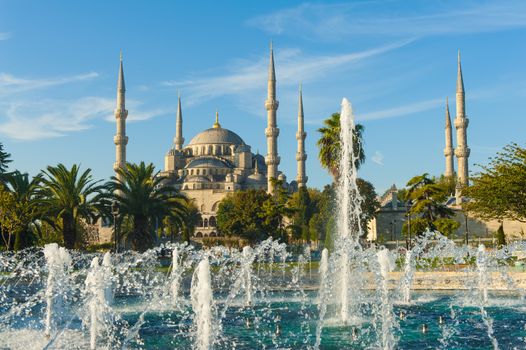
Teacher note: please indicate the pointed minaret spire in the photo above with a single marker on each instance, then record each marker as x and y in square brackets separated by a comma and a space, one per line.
[301, 156]
[271, 132]
[120, 139]
[448, 150]
[216, 124]
[461, 124]
[179, 139]
[460, 80]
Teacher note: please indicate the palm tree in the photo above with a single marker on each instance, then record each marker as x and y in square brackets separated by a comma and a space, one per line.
[144, 200]
[5, 159]
[69, 196]
[24, 192]
[330, 145]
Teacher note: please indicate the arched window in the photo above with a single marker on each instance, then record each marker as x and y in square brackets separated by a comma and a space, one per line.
[199, 234]
[197, 171]
[212, 221]
[213, 234]
[200, 222]
[205, 223]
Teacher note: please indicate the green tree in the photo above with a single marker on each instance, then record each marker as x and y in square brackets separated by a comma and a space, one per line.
[329, 145]
[275, 209]
[145, 202]
[427, 210]
[241, 214]
[191, 218]
[5, 159]
[70, 196]
[369, 205]
[25, 192]
[498, 190]
[301, 206]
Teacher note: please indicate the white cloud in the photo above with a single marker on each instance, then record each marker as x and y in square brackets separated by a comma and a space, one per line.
[378, 18]
[378, 158]
[5, 35]
[292, 66]
[35, 120]
[12, 84]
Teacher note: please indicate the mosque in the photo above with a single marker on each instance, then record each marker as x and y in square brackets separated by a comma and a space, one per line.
[217, 161]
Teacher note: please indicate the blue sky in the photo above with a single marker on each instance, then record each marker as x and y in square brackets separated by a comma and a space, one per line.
[394, 60]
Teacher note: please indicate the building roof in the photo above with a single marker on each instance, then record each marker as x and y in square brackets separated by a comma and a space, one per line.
[207, 162]
[217, 135]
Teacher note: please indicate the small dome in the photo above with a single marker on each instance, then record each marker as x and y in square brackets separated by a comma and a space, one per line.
[197, 178]
[217, 136]
[282, 177]
[207, 162]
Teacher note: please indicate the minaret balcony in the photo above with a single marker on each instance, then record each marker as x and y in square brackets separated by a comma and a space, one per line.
[301, 135]
[448, 152]
[271, 132]
[271, 159]
[120, 140]
[301, 156]
[120, 113]
[271, 105]
[462, 152]
[462, 122]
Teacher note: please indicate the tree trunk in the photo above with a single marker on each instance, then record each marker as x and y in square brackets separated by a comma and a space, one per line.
[68, 231]
[141, 239]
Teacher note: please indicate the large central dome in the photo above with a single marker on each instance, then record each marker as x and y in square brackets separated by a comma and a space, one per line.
[217, 135]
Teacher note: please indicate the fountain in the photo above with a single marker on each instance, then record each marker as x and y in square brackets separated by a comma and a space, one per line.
[203, 304]
[357, 296]
[58, 260]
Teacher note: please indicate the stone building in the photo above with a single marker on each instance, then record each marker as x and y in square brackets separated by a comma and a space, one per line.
[217, 161]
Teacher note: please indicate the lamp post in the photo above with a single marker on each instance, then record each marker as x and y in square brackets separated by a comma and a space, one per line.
[115, 213]
[467, 231]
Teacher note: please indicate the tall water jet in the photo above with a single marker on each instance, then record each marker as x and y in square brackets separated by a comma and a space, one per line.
[100, 295]
[409, 271]
[248, 257]
[322, 294]
[386, 265]
[482, 263]
[349, 201]
[202, 304]
[58, 259]
[482, 273]
[175, 275]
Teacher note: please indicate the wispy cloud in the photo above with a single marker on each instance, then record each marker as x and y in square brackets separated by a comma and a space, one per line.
[292, 66]
[12, 84]
[379, 18]
[378, 158]
[44, 119]
[5, 35]
[399, 111]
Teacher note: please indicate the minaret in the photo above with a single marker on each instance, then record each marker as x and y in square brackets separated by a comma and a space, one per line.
[301, 156]
[179, 139]
[272, 131]
[120, 139]
[461, 124]
[448, 151]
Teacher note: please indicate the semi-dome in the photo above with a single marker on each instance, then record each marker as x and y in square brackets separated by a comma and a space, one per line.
[217, 135]
[207, 162]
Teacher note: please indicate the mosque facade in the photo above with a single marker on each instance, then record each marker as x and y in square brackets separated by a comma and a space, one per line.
[217, 161]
